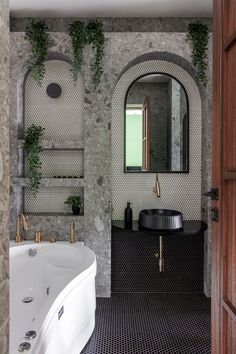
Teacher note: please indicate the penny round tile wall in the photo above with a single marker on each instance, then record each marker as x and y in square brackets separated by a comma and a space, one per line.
[62, 117]
[179, 191]
[50, 200]
[61, 163]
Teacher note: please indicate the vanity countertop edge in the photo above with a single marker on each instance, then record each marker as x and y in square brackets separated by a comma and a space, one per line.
[191, 227]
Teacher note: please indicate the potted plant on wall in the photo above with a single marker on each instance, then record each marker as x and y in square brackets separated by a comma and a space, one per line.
[75, 203]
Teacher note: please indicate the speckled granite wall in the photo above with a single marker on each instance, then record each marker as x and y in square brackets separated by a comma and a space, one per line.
[120, 24]
[120, 49]
[207, 175]
[4, 179]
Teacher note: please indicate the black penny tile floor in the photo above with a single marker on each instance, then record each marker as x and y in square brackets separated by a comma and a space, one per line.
[150, 324]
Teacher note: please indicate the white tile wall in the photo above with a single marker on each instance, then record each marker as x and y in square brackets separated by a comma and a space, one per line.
[61, 117]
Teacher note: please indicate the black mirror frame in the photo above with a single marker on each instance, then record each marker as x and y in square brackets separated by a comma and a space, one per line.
[187, 142]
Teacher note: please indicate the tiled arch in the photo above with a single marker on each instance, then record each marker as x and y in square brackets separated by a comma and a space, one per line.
[178, 191]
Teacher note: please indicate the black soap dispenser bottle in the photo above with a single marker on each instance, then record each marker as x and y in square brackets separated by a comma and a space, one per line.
[128, 216]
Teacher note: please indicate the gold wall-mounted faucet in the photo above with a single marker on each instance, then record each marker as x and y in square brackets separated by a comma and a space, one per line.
[72, 232]
[21, 220]
[37, 237]
[156, 189]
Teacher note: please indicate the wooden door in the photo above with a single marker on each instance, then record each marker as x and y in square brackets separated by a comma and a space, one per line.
[224, 178]
[146, 135]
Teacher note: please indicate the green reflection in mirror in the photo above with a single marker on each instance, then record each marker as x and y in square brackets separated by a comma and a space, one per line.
[134, 137]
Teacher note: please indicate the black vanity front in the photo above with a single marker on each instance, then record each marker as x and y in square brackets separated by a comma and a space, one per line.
[134, 261]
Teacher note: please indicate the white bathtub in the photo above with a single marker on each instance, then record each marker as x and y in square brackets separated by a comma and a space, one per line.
[61, 280]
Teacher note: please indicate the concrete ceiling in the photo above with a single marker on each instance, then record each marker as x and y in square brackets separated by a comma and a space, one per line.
[111, 8]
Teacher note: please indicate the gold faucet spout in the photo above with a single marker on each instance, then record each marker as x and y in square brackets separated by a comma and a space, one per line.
[157, 188]
[18, 236]
[21, 220]
[25, 226]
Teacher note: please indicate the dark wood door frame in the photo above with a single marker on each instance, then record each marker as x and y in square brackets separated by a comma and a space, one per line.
[216, 173]
[224, 178]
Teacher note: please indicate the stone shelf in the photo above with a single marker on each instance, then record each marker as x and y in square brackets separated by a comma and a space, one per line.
[50, 182]
[54, 214]
[57, 145]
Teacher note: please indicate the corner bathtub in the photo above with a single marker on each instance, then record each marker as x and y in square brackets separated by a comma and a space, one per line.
[60, 281]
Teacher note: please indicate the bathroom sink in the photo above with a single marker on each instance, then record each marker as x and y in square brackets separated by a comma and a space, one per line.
[161, 219]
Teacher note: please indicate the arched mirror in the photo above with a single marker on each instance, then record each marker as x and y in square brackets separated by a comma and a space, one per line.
[156, 125]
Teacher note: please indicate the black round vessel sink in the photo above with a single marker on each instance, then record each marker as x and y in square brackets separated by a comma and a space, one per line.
[161, 219]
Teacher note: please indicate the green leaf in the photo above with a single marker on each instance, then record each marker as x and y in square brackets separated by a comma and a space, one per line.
[36, 34]
[198, 35]
[81, 36]
[32, 150]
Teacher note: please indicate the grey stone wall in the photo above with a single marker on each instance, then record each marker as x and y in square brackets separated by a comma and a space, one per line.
[207, 174]
[120, 50]
[120, 24]
[4, 178]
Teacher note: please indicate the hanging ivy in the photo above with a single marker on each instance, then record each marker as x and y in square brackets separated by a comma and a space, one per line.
[95, 37]
[77, 34]
[37, 35]
[32, 148]
[198, 34]
[81, 36]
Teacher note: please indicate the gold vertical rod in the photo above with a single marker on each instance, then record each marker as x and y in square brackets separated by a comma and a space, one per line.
[72, 232]
[161, 259]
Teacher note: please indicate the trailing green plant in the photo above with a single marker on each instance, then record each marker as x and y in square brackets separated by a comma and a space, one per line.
[77, 32]
[95, 36]
[81, 36]
[37, 35]
[198, 34]
[32, 149]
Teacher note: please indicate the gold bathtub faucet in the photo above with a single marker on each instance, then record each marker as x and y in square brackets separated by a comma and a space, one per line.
[72, 232]
[21, 220]
[37, 237]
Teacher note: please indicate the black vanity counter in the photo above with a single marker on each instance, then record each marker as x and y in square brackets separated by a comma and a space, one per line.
[135, 265]
[191, 227]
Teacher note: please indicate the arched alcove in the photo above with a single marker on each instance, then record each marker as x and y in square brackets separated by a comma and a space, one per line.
[62, 116]
[178, 191]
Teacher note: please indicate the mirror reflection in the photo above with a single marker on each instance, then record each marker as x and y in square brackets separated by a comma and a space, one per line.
[156, 125]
